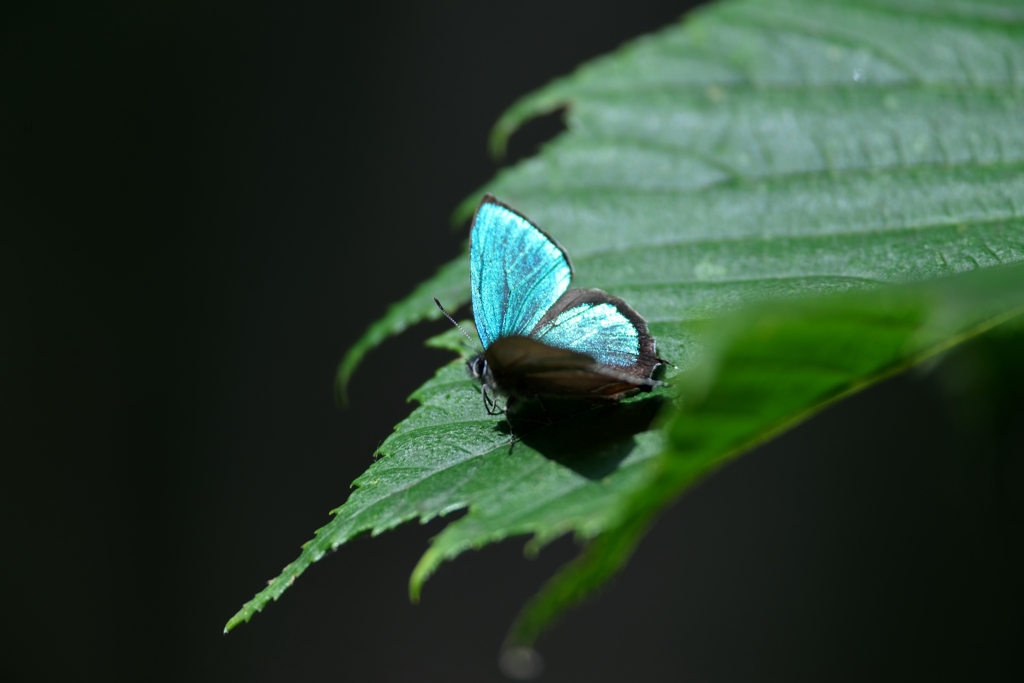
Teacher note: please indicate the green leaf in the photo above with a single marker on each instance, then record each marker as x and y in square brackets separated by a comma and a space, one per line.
[764, 183]
[456, 340]
[766, 371]
[449, 285]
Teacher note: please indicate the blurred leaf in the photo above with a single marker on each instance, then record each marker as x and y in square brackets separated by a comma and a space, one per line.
[449, 285]
[780, 151]
[455, 340]
[769, 369]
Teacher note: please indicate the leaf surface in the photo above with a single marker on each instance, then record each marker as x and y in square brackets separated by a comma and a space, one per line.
[756, 157]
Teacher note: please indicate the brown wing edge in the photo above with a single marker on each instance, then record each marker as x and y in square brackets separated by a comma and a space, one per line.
[648, 358]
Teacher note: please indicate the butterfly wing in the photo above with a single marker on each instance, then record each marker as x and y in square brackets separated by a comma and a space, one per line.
[604, 327]
[588, 345]
[517, 272]
[522, 366]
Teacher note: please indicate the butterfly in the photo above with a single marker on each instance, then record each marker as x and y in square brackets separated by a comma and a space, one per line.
[539, 337]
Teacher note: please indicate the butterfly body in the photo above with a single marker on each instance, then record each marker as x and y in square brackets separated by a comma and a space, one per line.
[541, 338]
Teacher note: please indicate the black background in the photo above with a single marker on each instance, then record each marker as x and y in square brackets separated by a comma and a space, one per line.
[204, 205]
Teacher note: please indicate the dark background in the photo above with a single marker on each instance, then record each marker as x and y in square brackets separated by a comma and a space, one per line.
[204, 205]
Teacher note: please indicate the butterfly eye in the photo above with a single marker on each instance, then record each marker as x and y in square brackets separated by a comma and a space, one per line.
[478, 366]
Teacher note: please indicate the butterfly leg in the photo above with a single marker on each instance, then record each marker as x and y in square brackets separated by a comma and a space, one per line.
[509, 405]
[511, 434]
[490, 403]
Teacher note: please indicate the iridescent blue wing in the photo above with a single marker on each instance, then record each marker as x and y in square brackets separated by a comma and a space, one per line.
[516, 271]
[602, 326]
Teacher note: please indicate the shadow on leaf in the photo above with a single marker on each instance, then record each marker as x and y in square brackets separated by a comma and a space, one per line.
[591, 440]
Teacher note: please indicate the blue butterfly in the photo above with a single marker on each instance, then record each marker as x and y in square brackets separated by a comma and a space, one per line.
[539, 337]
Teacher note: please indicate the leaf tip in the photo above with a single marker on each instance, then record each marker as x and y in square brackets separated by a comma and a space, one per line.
[415, 589]
[348, 365]
[341, 385]
[240, 617]
[497, 143]
[421, 572]
[550, 99]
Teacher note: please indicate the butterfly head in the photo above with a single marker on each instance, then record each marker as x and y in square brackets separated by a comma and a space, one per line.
[480, 370]
[478, 367]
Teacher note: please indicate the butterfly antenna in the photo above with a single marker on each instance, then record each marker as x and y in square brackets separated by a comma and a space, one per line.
[456, 324]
